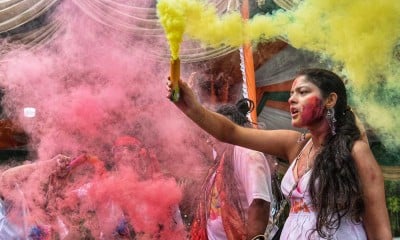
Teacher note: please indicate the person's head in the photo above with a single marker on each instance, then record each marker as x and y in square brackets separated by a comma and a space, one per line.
[125, 146]
[237, 113]
[128, 153]
[315, 94]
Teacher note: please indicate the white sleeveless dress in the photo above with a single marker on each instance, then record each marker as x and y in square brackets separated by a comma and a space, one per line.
[302, 218]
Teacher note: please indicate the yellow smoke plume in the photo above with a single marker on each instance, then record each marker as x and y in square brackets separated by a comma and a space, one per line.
[172, 19]
[359, 36]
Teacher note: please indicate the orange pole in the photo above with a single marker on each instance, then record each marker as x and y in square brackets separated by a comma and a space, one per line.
[249, 65]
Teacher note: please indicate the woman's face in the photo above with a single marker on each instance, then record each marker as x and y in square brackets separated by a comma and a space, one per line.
[306, 103]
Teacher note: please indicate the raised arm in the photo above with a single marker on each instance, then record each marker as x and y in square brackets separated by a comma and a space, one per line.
[282, 143]
[376, 219]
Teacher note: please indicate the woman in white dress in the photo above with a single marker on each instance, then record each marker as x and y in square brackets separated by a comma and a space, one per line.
[334, 183]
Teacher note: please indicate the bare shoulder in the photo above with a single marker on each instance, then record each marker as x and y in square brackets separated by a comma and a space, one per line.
[365, 161]
[293, 143]
[360, 145]
[361, 151]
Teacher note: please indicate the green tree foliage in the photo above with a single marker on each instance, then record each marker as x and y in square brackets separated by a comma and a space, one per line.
[392, 189]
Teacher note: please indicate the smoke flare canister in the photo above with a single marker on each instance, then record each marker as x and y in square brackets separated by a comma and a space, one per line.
[175, 76]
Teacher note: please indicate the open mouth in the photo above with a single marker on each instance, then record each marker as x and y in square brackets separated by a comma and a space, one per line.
[294, 112]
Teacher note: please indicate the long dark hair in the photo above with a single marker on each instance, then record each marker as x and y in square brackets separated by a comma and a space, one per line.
[335, 186]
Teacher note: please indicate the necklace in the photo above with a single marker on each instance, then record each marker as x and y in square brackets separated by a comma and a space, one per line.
[300, 174]
[308, 158]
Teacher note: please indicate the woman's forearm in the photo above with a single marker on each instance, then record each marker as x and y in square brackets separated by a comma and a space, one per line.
[215, 124]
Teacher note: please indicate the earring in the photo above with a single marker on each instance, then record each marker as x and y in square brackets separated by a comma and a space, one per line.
[302, 137]
[330, 116]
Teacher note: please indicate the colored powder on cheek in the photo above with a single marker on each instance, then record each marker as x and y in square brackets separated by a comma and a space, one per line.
[312, 110]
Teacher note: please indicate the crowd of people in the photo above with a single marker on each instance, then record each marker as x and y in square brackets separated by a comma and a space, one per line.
[83, 198]
[333, 185]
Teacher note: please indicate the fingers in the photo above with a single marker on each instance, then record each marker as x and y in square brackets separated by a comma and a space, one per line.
[168, 87]
[185, 86]
[169, 83]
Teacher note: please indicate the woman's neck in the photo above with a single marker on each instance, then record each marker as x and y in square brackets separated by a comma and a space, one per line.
[319, 133]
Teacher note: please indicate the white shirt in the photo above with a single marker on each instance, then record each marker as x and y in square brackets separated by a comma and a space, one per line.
[253, 176]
